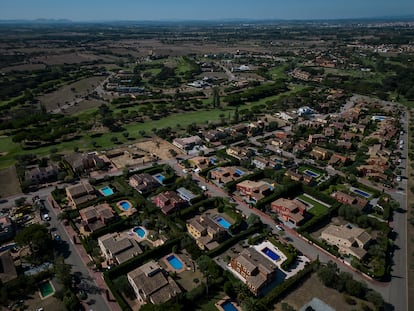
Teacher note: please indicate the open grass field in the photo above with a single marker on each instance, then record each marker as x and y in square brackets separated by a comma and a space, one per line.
[88, 142]
[317, 207]
[312, 287]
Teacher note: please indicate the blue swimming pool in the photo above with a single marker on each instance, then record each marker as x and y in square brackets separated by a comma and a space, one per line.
[271, 254]
[175, 262]
[361, 193]
[222, 222]
[125, 205]
[239, 172]
[311, 173]
[228, 306]
[139, 232]
[106, 191]
[159, 177]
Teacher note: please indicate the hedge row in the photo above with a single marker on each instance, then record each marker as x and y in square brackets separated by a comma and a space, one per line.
[285, 190]
[119, 299]
[318, 195]
[233, 240]
[284, 288]
[318, 221]
[231, 186]
[117, 226]
[290, 255]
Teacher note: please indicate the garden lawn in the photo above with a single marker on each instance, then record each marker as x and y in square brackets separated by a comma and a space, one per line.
[317, 209]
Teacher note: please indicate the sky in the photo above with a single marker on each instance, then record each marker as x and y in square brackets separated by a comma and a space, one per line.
[155, 10]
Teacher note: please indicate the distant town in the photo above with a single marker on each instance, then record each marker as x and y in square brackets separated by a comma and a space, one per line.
[206, 167]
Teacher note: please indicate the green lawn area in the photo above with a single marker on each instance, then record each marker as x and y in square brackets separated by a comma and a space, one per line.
[10, 149]
[209, 306]
[317, 209]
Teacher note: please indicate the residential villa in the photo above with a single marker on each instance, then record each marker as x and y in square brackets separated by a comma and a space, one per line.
[95, 217]
[254, 190]
[348, 199]
[200, 163]
[319, 153]
[349, 239]
[291, 211]
[240, 153]
[205, 231]
[169, 201]
[255, 270]
[118, 247]
[80, 193]
[227, 174]
[187, 143]
[152, 284]
[81, 162]
[143, 182]
[40, 175]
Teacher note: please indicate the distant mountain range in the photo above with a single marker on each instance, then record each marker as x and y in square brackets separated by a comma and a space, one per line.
[212, 21]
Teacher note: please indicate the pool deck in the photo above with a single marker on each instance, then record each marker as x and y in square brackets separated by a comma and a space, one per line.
[274, 249]
[51, 294]
[170, 268]
[226, 299]
[130, 211]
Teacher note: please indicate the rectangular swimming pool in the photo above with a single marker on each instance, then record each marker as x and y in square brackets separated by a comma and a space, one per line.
[361, 193]
[159, 177]
[175, 262]
[228, 306]
[311, 173]
[106, 191]
[222, 222]
[271, 254]
[46, 289]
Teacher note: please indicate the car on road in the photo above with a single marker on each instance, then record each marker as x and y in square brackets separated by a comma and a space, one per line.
[46, 217]
[204, 188]
[57, 237]
[279, 228]
[399, 179]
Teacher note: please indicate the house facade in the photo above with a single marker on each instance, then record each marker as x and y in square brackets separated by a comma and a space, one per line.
[152, 284]
[291, 211]
[255, 270]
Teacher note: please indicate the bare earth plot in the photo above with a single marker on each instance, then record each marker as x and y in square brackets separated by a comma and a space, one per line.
[311, 288]
[9, 182]
[70, 92]
[158, 147]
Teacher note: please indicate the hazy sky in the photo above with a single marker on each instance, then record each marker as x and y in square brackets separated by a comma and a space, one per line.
[95, 10]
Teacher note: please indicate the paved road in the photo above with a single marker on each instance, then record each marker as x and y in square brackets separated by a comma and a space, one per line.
[95, 292]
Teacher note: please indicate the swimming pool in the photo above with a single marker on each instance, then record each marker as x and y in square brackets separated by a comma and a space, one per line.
[175, 262]
[139, 231]
[361, 193]
[239, 172]
[228, 306]
[311, 173]
[222, 222]
[271, 254]
[46, 289]
[125, 205]
[159, 177]
[106, 191]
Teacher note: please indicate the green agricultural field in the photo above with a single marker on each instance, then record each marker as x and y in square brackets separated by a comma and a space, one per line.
[317, 209]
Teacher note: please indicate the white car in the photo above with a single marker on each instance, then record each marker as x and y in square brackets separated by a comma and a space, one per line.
[279, 228]
[46, 217]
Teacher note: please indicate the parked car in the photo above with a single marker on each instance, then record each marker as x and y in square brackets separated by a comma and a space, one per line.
[279, 228]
